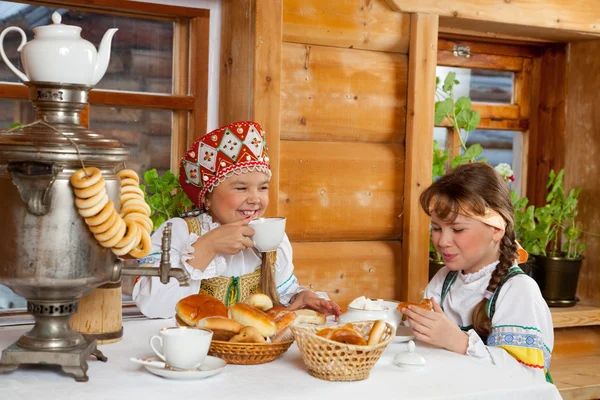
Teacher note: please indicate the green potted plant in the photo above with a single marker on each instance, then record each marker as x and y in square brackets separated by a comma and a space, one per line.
[463, 119]
[556, 243]
[164, 196]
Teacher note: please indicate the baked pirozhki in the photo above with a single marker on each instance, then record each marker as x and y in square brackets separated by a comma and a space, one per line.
[377, 332]
[127, 234]
[223, 328]
[283, 321]
[307, 316]
[248, 334]
[195, 307]
[260, 301]
[251, 316]
[424, 304]
[348, 335]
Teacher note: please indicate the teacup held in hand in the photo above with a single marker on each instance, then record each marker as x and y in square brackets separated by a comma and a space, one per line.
[268, 233]
[183, 347]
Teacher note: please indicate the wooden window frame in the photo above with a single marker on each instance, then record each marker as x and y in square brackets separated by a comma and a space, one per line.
[524, 62]
[189, 98]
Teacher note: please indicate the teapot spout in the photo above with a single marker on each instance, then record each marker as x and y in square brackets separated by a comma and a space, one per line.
[103, 55]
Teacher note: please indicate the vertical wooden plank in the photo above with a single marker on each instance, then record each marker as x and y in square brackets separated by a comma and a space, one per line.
[181, 86]
[582, 149]
[237, 61]
[452, 144]
[199, 76]
[268, 22]
[547, 149]
[422, 60]
[526, 96]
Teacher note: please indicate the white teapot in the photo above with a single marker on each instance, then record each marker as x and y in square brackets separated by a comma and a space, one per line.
[363, 309]
[59, 54]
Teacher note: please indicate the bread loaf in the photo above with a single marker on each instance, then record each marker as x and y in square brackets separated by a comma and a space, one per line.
[223, 328]
[377, 332]
[425, 304]
[348, 334]
[306, 316]
[248, 334]
[192, 309]
[260, 301]
[252, 316]
[283, 322]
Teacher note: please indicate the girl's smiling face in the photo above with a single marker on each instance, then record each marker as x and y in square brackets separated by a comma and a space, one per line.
[238, 197]
[465, 244]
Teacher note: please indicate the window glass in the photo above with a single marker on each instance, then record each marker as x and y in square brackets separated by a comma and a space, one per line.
[481, 85]
[141, 53]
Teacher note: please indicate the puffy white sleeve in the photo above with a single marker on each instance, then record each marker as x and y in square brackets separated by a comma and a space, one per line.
[158, 300]
[522, 333]
[286, 281]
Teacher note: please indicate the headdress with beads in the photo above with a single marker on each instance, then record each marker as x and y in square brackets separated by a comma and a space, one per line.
[236, 148]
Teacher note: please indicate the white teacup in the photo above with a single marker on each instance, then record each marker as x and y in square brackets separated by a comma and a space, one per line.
[268, 233]
[183, 347]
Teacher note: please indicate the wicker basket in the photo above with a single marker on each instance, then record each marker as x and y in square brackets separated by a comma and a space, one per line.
[334, 361]
[248, 353]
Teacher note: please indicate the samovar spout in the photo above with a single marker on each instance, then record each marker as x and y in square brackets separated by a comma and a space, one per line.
[164, 271]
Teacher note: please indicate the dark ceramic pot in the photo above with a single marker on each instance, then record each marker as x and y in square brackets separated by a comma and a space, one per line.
[557, 278]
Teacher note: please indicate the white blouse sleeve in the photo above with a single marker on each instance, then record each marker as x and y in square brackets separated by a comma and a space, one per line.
[286, 281]
[522, 334]
[158, 300]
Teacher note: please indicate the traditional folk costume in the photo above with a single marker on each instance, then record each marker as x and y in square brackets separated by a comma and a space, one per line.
[522, 334]
[234, 149]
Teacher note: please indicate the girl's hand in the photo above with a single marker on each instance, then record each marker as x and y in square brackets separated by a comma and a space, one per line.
[308, 299]
[436, 328]
[229, 238]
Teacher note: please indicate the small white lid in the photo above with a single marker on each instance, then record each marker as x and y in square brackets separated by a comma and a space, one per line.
[409, 358]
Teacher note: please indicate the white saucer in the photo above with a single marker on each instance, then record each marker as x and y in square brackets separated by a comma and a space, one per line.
[404, 334]
[211, 366]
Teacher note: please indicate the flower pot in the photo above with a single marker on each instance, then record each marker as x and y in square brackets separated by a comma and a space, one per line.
[529, 266]
[434, 267]
[557, 278]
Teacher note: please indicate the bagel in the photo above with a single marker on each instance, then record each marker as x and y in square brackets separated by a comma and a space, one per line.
[130, 196]
[106, 225]
[90, 201]
[84, 178]
[132, 189]
[143, 249]
[138, 203]
[128, 173]
[117, 238]
[110, 233]
[141, 219]
[133, 236]
[95, 209]
[91, 190]
[102, 217]
[129, 182]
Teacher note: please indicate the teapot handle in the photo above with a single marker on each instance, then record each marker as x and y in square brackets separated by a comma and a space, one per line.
[10, 65]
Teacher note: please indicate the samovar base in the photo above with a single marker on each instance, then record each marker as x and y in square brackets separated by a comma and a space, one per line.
[72, 361]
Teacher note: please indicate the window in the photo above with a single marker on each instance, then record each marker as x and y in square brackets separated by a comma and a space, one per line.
[153, 97]
[499, 80]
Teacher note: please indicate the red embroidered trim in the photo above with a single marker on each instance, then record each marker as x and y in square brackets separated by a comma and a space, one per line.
[530, 365]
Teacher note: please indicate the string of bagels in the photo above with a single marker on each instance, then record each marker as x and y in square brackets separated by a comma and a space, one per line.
[126, 234]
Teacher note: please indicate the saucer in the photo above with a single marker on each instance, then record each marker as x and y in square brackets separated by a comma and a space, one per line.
[404, 334]
[211, 366]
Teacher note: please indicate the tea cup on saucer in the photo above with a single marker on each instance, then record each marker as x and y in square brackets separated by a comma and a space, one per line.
[183, 347]
[268, 233]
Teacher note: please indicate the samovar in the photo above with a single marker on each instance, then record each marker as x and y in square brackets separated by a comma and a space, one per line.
[49, 256]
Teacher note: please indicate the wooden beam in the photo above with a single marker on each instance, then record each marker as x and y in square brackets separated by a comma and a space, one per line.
[267, 84]
[131, 7]
[199, 76]
[447, 43]
[576, 15]
[482, 61]
[181, 86]
[499, 124]
[579, 315]
[422, 60]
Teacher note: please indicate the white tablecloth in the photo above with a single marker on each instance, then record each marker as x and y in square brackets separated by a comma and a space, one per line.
[446, 376]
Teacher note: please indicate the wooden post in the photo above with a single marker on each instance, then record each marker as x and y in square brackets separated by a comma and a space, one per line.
[422, 60]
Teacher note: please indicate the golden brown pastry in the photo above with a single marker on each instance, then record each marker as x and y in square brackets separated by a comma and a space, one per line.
[347, 334]
[223, 328]
[283, 322]
[260, 301]
[248, 334]
[377, 332]
[424, 304]
[252, 316]
[306, 316]
[195, 307]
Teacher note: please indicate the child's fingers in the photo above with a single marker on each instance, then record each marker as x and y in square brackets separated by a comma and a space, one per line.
[422, 312]
[436, 306]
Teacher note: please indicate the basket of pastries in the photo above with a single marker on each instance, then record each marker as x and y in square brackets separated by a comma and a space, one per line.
[343, 352]
[247, 333]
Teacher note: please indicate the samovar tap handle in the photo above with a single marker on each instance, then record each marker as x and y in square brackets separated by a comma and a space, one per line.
[165, 269]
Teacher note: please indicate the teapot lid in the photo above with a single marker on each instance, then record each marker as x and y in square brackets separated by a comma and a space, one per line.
[409, 358]
[57, 28]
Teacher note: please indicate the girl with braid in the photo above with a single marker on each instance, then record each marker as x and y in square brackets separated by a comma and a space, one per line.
[484, 306]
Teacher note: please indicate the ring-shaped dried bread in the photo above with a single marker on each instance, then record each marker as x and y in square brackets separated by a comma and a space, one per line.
[128, 173]
[91, 190]
[90, 201]
[106, 225]
[101, 217]
[117, 238]
[95, 209]
[130, 234]
[136, 203]
[424, 304]
[348, 336]
[110, 232]
[129, 182]
[377, 332]
[82, 179]
[136, 236]
[132, 189]
[144, 247]
[130, 196]
[132, 209]
[248, 334]
[141, 219]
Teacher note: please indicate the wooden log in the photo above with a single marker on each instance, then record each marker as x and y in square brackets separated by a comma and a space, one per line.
[341, 191]
[329, 93]
[99, 315]
[358, 24]
[347, 270]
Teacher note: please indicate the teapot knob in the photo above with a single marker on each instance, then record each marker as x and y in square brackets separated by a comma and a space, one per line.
[56, 18]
